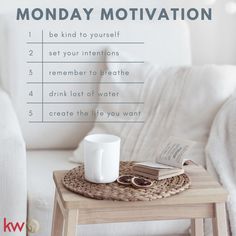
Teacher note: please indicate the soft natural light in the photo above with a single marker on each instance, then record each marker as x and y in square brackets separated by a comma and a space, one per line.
[230, 7]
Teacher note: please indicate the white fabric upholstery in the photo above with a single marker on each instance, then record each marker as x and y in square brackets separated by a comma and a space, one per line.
[221, 153]
[13, 195]
[178, 101]
[41, 164]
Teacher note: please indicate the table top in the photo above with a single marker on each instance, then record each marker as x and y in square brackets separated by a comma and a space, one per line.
[204, 189]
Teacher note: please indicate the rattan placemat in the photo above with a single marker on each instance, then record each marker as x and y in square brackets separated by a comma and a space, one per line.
[74, 181]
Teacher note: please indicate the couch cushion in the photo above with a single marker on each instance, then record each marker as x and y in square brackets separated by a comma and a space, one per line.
[177, 101]
[41, 164]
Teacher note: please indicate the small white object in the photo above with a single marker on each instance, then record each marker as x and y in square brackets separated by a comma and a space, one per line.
[101, 158]
[33, 226]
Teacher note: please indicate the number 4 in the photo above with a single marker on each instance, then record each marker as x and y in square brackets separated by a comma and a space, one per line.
[31, 93]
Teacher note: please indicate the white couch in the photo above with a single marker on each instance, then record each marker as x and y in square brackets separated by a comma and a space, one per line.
[13, 186]
[49, 146]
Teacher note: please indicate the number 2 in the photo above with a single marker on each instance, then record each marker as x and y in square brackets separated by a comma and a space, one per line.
[31, 52]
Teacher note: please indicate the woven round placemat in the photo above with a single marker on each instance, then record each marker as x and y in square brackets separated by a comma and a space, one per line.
[74, 181]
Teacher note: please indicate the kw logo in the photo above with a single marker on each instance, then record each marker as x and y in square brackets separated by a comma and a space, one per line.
[12, 227]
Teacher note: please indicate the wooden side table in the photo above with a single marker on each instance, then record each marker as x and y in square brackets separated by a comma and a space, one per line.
[205, 199]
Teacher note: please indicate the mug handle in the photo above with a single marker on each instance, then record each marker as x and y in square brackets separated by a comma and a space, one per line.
[98, 172]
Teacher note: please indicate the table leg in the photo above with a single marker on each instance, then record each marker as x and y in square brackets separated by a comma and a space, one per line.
[57, 220]
[70, 223]
[197, 227]
[220, 220]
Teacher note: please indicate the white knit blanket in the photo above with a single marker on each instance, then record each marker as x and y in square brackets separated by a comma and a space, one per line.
[174, 99]
[221, 151]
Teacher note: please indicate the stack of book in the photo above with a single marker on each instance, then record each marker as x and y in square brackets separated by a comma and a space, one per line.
[169, 162]
[156, 170]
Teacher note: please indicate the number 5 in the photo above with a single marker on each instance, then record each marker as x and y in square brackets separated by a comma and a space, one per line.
[30, 113]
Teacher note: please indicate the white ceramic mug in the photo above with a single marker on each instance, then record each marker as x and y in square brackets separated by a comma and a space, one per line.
[101, 158]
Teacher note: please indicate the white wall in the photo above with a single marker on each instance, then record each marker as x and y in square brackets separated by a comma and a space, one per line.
[215, 42]
[212, 42]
